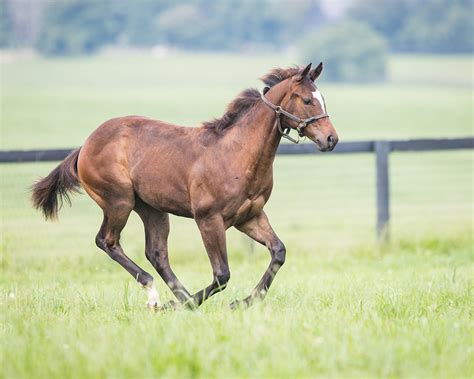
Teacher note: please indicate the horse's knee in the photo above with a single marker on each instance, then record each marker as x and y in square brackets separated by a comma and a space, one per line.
[279, 253]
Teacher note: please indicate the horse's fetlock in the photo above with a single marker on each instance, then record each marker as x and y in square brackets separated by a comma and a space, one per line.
[223, 278]
[280, 254]
[145, 279]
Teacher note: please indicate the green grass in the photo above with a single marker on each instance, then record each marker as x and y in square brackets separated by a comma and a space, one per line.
[448, 70]
[341, 306]
[396, 313]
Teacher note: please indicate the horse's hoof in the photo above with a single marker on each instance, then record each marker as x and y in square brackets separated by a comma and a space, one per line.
[236, 304]
[241, 304]
[152, 306]
[167, 307]
[153, 301]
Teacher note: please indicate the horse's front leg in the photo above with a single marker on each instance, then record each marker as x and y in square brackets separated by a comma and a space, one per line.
[213, 235]
[259, 229]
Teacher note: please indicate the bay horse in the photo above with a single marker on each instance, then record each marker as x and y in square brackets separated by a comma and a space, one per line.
[220, 174]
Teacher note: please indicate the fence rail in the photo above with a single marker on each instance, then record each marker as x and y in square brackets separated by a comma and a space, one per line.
[381, 149]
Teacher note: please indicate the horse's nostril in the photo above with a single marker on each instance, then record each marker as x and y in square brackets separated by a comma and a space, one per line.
[330, 140]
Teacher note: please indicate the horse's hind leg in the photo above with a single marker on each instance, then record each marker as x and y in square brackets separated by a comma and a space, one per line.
[103, 172]
[108, 239]
[260, 230]
[157, 228]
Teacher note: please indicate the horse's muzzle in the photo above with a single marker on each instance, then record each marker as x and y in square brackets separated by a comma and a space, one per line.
[329, 144]
[332, 141]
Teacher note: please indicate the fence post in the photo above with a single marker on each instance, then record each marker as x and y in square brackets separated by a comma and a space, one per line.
[382, 150]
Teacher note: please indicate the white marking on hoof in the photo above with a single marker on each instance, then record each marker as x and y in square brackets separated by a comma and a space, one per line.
[317, 95]
[153, 296]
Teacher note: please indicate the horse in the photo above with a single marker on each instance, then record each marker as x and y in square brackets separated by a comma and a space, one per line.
[219, 174]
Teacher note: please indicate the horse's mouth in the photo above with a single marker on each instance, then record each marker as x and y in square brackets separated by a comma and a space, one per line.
[322, 147]
[325, 149]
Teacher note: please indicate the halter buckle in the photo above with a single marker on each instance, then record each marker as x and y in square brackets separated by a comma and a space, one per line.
[290, 138]
[300, 128]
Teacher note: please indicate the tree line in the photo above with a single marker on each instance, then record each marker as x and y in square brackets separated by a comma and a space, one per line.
[69, 27]
[422, 26]
[83, 26]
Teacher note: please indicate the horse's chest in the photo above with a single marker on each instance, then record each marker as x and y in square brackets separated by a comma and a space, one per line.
[247, 201]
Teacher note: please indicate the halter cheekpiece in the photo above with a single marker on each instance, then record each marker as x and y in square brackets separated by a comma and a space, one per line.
[302, 123]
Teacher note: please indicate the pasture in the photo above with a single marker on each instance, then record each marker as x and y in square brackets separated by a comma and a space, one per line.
[341, 305]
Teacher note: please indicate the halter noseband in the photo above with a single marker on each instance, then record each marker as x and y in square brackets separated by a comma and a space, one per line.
[302, 123]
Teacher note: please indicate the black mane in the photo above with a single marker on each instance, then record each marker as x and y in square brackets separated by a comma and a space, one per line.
[248, 98]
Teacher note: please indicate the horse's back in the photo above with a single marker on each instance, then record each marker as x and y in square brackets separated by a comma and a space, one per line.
[127, 138]
[135, 154]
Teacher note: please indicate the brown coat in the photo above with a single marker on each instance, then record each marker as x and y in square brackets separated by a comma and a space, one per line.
[220, 174]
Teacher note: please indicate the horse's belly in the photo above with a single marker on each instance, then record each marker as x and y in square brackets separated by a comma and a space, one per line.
[165, 198]
[171, 206]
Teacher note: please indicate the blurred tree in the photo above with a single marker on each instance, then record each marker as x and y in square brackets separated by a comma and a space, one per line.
[350, 52]
[20, 22]
[5, 24]
[170, 24]
[82, 26]
[437, 26]
[234, 24]
[443, 27]
[139, 27]
[79, 26]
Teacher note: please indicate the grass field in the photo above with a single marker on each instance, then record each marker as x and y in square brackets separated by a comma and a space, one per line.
[341, 306]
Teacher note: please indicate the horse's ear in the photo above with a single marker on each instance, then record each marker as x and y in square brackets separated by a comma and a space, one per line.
[304, 72]
[316, 72]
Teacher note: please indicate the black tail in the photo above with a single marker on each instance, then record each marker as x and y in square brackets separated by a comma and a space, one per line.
[53, 189]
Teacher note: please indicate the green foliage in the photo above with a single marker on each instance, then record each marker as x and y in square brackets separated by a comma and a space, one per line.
[350, 52]
[79, 26]
[442, 26]
[76, 26]
[139, 21]
[5, 24]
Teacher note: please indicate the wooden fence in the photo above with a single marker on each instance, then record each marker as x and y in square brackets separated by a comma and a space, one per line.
[381, 149]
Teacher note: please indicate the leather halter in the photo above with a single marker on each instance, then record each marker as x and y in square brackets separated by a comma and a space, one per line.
[302, 123]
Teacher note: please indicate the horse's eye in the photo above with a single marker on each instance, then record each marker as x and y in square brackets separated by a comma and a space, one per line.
[307, 101]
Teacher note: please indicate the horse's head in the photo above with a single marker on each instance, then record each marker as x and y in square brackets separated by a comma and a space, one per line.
[304, 101]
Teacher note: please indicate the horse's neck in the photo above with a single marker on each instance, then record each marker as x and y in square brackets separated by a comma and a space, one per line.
[259, 137]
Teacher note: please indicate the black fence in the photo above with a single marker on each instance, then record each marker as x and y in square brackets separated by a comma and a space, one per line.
[381, 149]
